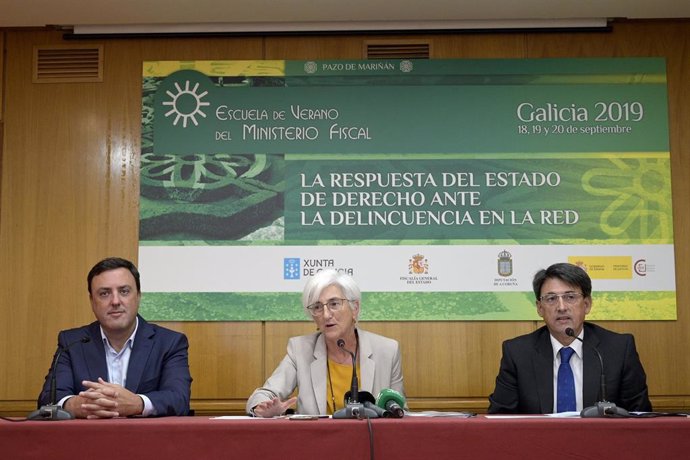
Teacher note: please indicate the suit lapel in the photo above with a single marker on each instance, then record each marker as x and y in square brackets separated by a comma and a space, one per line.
[318, 373]
[591, 369]
[543, 370]
[141, 349]
[94, 355]
[366, 363]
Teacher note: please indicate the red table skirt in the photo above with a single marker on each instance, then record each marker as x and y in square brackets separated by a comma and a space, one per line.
[408, 438]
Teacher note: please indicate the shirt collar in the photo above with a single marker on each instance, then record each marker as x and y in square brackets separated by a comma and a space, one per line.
[130, 341]
[576, 345]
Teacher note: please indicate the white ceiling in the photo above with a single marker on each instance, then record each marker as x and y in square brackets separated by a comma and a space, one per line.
[274, 15]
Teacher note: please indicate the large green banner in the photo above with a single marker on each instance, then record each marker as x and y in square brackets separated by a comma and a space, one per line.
[442, 186]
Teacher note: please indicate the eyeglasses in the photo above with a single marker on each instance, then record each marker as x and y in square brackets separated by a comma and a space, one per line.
[569, 298]
[316, 309]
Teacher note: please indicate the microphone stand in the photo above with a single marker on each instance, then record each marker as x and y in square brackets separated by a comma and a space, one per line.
[602, 408]
[353, 408]
[52, 411]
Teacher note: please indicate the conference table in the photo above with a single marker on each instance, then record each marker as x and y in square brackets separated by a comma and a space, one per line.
[407, 438]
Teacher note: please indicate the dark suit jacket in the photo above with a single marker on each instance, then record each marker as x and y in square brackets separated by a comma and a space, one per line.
[524, 384]
[158, 366]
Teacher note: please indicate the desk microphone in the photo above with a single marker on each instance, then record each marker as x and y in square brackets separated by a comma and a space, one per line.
[354, 386]
[369, 402]
[603, 408]
[353, 407]
[52, 411]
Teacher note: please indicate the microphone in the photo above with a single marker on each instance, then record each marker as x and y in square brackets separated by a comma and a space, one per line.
[392, 401]
[52, 411]
[602, 408]
[354, 386]
[369, 403]
[380, 413]
[353, 407]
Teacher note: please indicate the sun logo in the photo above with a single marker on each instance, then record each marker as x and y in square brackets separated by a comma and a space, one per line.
[186, 104]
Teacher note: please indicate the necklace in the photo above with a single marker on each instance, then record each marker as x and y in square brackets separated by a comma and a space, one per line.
[330, 383]
[328, 370]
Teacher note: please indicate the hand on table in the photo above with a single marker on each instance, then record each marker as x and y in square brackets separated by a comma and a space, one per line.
[104, 400]
[273, 407]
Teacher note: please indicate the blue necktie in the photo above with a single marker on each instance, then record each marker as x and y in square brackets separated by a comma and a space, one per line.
[566, 383]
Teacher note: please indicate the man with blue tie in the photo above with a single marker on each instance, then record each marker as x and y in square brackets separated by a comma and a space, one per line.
[120, 365]
[550, 371]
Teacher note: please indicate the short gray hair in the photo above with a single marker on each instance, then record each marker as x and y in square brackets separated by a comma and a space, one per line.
[323, 279]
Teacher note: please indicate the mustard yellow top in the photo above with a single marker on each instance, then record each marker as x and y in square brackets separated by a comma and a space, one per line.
[340, 379]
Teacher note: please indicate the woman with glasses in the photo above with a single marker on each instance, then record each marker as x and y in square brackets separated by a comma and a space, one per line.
[319, 365]
[557, 368]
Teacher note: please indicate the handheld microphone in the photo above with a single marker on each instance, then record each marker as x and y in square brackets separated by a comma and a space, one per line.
[602, 408]
[52, 411]
[392, 401]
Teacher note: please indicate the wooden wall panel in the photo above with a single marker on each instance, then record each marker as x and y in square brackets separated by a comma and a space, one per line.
[2, 86]
[479, 46]
[2, 106]
[225, 361]
[275, 344]
[349, 47]
[70, 197]
[313, 47]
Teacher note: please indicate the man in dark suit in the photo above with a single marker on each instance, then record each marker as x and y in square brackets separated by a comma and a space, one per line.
[527, 379]
[128, 366]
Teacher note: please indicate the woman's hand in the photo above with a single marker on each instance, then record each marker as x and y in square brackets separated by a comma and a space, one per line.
[273, 407]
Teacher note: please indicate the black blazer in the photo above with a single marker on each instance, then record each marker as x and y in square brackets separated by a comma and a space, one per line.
[524, 384]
